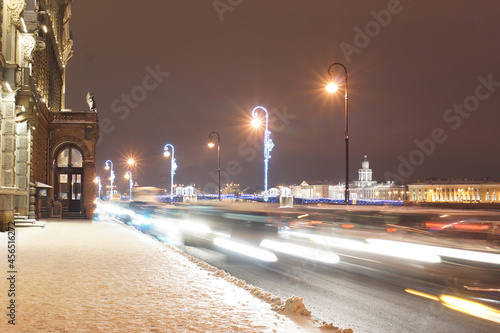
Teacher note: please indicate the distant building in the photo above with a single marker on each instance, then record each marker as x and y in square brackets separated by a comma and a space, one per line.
[363, 188]
[231, 188]
[319, 189]
[455, 190]
[185, 190]
[273, 192]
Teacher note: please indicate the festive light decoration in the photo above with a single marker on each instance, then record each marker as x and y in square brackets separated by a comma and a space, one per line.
[268, 145]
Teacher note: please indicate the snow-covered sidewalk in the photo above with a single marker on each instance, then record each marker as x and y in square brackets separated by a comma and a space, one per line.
[106, 277]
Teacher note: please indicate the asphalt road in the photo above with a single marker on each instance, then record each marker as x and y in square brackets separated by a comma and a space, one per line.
[349, 295]
[366, 290]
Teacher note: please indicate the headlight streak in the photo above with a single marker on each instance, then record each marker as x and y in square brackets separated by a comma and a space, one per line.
[166, 226]
[138, 220]
[485, 257]
[404, 252]
[196, 228]
[462, 305]
[421, 294]
[301, 251]
[247, 250]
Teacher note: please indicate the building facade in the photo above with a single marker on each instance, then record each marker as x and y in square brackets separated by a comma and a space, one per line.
[47, 151]
[363, 188]
[455, 191]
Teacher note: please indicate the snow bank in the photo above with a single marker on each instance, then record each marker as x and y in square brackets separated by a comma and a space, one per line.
[293, 306]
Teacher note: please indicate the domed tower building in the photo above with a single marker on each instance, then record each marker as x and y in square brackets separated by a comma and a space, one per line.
[365, 174]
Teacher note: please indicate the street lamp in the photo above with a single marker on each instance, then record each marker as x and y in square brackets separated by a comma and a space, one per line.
[132, 163]
[211, 144]
[331, 88]
[173, 167]
[109, 166]
[268, 143]
[97, 180]
[128, 175]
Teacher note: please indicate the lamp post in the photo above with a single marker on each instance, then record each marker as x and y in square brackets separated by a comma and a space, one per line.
[173, 167]
[268, 143]
[211, 144]
[97, 180]
[128, 175]
[109, 166]
[331, 88]
[131, 162]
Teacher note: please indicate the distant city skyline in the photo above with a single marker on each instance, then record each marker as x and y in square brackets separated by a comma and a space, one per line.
[424, 81]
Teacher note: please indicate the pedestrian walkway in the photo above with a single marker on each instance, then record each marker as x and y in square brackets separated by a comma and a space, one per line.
[74, 276]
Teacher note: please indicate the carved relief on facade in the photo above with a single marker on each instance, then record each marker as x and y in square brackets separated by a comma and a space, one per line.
[27, 47]
[15, 8]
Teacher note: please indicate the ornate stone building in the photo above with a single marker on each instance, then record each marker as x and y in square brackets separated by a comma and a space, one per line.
[47, 151]
[364, 188]
[455, 191]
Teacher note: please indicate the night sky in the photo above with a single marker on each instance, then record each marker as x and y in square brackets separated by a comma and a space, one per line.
[424, 87]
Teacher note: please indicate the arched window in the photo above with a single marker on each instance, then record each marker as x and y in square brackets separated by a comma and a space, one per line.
[69, 157]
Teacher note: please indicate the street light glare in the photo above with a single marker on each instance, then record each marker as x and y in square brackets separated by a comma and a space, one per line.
[211, 144]
[131, 161]
[256, 122]
[331, 87]
[166, 153]
[106, 167]
[127, 176]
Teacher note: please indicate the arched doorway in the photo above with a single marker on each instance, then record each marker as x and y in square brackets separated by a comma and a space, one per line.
[68, 187]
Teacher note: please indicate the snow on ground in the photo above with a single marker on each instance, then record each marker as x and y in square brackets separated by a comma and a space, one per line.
[106, 277]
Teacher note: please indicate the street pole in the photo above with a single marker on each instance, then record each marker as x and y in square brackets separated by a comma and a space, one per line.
[97, 180]
[109, 166]
[346, 131]
[130, 183]
[268, 146]
[173, 167]
[211, 144]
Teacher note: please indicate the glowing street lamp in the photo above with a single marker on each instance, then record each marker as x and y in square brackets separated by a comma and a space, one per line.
[268, 143]
[211, 144]
[173, 167]
[128, 175]
[97, 180]
[331, 88]
[109, 166]
[133, 165]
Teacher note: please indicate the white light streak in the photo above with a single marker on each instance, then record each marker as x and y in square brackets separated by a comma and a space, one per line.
[247, 250]
[301, 251]
[491, 258]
